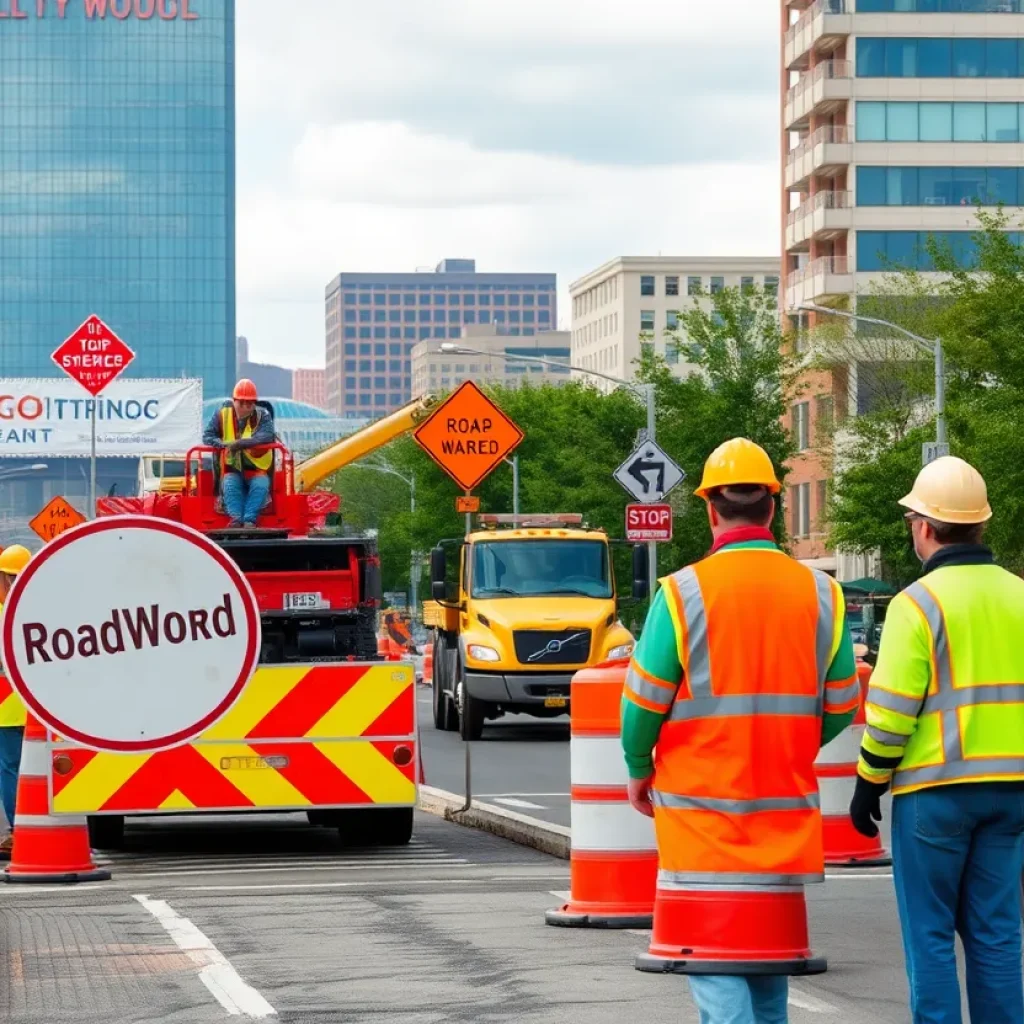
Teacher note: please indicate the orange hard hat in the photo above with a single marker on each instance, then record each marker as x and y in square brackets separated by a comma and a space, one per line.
[245, 390]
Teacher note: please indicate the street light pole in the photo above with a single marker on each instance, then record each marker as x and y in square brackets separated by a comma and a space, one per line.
[933, 348]
[514, 463]
[645, 391]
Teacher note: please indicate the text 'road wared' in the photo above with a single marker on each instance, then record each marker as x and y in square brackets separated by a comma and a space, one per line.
[129, 628]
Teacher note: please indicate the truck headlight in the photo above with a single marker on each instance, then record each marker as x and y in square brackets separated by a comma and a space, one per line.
[480, 653]
[622, 651]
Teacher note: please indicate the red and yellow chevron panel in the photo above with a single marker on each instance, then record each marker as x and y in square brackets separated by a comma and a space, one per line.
[300, 737]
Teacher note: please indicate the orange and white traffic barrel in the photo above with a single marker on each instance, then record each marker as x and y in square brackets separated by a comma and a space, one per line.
[746, 929]
[836, 769]
[48, 848]
[428, 664]
[613, 859]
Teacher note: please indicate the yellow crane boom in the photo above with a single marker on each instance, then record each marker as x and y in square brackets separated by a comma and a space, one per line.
[354, 447]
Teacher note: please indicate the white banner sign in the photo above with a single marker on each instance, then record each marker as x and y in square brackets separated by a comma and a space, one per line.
[133, 417]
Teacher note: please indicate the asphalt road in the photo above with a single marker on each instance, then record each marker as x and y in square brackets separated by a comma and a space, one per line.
[267, 919]
[521, 762]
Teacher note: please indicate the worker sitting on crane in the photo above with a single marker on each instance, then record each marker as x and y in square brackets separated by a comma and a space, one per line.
[242, 431]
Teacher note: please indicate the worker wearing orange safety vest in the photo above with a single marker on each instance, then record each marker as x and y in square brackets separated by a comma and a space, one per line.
[12, 710]
[745, 668]
[242, 431]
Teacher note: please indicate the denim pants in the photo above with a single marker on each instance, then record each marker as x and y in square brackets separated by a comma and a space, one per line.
[10, 762]
[243, 498]
[734, 999]
[957, 855]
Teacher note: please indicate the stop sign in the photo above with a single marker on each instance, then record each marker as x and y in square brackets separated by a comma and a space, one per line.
[648, 522]
[94, 355]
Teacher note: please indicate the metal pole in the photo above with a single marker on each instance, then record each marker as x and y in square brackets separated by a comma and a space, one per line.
[515, 485]
[412, 552]
[467, 744]
[652, 546]
[940, 393]
[92, 463]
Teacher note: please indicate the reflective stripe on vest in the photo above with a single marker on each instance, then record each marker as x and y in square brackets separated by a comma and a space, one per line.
[947, 701]
[260, 462]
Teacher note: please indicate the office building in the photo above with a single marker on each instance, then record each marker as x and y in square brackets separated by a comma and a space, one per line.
[435, 372]
[373, 321]
[897, 117]
[631, 296]
[117, 163]
[309, 386]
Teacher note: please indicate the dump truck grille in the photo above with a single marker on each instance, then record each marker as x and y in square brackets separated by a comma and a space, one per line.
[552, 647]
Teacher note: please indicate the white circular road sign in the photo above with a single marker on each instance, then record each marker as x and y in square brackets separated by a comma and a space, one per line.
[130, 633]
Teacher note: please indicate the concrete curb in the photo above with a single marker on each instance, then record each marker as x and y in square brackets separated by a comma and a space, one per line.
[517, 828]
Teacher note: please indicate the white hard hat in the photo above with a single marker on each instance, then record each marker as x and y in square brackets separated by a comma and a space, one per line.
[949, 490]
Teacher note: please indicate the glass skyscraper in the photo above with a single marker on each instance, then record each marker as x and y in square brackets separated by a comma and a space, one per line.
[117, 171]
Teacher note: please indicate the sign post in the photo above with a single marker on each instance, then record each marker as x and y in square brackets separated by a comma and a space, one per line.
[153, 649]
[93, 356]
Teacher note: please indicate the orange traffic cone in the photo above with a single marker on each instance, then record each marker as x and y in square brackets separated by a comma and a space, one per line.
[753, 930]
[47, 848]
[428, 664]
[836, 769]
[613, 856]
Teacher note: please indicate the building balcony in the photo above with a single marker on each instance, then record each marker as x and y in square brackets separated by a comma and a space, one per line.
[821, 28]
[824, 215]
[822, 91]
[824, 153]
[822, 279]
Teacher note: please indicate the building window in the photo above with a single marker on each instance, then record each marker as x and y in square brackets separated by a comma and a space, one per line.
[801, 426]
[882, 250]
[939, 122]
[746, 284]
[672, 319]
[938, 58]
[694, 286]
[717, 285]
[671, 353]
[350, 332]
[646, 284]
[800, 522]
[822, 498]
[671, 285]
[350, 298]
[647, 320]
[771, 284]
[365, 316]
[365, 332]
[939, 186]
[646, 348]
[824, 416]
[940, 6]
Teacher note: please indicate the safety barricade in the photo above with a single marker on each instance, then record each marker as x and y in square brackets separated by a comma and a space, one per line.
[428, 664]
[836, 769]
[613, 859]
[47, 848]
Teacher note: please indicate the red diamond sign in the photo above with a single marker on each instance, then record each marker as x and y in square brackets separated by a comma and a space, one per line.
[94, 356]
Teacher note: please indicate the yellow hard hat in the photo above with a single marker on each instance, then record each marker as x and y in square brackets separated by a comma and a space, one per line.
[14, 559]
[738, 461]
[949, 490]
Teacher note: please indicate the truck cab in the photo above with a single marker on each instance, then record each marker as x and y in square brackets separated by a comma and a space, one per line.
[535, 602]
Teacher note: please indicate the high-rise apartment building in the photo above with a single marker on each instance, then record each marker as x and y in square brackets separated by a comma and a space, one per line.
[374, 320]
[493, 361]
[897, 117]
[631, 296]
[117, 183]
[309, 386]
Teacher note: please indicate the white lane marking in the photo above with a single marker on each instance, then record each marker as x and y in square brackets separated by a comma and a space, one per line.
[559, 895]
[32, 890]
[389, 865]
[215, 972]
[804, 1001]
[526, 805]
[854, 878]
[494, 796]
[328, 885]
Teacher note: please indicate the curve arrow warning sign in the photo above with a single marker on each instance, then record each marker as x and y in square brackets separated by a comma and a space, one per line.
[649, 474]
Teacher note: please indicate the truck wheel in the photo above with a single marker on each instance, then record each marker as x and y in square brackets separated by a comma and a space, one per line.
[389, 826]
[446, 718]
[106, 832]
[471, 711]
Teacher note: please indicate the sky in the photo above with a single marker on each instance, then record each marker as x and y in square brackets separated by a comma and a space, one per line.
[536, 135]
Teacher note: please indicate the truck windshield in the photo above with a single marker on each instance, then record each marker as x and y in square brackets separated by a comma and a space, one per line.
[167, 467]
[515, 568]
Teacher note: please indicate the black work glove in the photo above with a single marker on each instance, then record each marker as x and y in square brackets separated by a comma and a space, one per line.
[867, 804]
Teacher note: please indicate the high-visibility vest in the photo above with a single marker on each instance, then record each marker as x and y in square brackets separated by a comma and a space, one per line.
[12, 710]
[950, 674]
[735, 794]
[249, 458]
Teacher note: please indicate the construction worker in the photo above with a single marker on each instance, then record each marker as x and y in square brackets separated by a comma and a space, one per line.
[242, 431]
[12, 710]
[945, 729]
[744, 669]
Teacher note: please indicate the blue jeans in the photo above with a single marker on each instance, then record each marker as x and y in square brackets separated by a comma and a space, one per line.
[243, 498]
[735, 999]
[10, 762]
[957, 856]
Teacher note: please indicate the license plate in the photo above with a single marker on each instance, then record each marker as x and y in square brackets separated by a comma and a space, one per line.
[253, 763]
[555, 702]
[303, 601]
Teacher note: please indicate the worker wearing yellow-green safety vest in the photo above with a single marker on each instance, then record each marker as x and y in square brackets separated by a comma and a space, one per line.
[945, 729]
[12, 710]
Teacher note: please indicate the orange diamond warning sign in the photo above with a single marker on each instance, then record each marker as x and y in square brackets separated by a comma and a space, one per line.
[468, 435]
[55, 518]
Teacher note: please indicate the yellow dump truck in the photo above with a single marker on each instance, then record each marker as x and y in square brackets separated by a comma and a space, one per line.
[535, 602]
